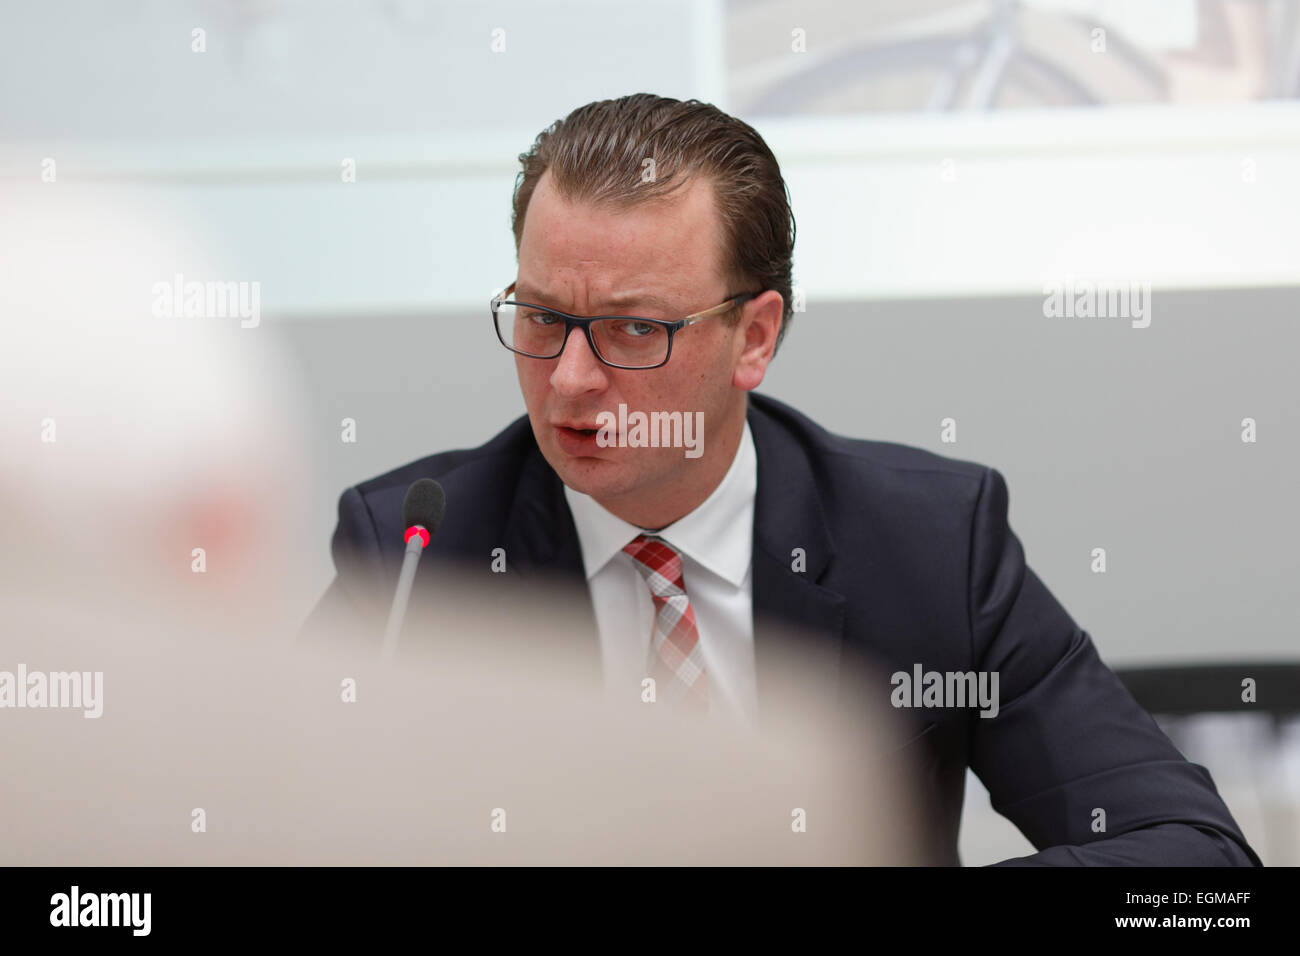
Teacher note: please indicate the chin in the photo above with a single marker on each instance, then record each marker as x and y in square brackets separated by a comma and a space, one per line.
[597, 477]
[589, 476]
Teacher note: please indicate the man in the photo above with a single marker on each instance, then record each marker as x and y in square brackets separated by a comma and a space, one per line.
[674, 218]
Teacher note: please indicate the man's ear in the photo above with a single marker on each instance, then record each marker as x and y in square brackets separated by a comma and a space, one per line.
[760, 322]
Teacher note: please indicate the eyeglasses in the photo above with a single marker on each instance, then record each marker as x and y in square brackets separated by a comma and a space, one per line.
[620, 341]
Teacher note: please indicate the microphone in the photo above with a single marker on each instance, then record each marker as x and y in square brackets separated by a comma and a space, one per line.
[422, 512]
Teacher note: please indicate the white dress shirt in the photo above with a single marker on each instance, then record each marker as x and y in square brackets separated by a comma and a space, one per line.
[716, 544]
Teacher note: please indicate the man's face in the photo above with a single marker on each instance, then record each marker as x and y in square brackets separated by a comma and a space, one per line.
[658, 260]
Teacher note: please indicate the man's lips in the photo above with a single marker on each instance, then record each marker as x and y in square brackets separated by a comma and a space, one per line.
[583, 439]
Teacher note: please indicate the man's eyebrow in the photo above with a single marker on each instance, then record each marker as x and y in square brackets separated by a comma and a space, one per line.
[617, 301]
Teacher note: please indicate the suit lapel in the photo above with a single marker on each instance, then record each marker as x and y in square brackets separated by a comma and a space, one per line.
[793, 613]
[796, 620]
[541, 538]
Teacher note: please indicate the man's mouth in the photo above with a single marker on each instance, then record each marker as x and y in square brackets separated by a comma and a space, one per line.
[579, 438]
[578, 428]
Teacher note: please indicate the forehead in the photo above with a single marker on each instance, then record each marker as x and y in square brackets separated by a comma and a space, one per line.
[592, 255]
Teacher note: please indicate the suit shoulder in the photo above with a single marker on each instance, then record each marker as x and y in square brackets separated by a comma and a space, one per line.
[882, 461]
[892, 457]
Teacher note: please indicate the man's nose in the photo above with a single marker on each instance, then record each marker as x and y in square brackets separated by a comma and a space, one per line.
[577, 370]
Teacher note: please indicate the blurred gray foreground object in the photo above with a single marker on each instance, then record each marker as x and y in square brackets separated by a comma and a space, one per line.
[491, 750]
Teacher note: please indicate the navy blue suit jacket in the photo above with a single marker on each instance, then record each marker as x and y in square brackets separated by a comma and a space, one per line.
[909, 560]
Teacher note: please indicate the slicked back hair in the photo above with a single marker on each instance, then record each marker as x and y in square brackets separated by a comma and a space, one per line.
[600, 153]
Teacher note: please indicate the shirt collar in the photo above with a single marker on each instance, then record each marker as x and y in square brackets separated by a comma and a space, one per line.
[718, 534]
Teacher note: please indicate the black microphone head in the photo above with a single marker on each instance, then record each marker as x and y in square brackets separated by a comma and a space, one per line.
[425, 504]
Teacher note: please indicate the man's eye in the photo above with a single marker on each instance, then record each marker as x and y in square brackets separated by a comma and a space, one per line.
[638, 330]
[542, 318]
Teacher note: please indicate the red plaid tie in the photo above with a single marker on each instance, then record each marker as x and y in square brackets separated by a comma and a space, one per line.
[676, 661]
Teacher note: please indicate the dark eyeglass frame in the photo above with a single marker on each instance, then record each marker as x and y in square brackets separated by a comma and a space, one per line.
[577, 321]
